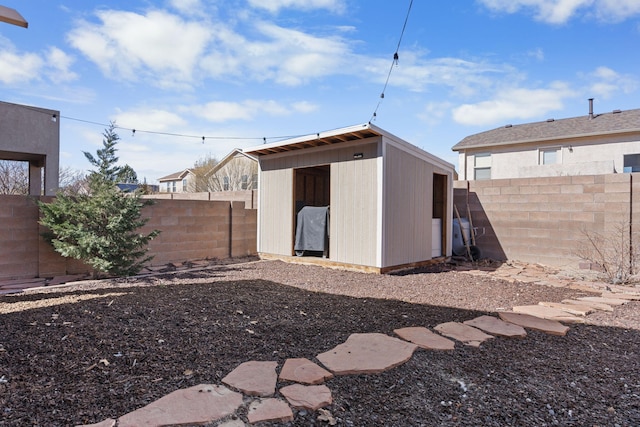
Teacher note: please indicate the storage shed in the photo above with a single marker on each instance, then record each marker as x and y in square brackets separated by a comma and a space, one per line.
[389, 202]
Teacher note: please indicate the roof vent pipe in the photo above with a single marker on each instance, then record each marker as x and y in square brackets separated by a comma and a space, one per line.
[590, 108]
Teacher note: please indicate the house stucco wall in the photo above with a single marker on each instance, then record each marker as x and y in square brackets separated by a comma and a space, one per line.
[32, 134]
[578, 156]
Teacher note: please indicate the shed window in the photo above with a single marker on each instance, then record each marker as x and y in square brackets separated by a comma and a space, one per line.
[482, 166]
[631, 163]
[549, 156]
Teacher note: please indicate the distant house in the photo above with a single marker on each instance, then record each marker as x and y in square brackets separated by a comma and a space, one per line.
[236, 171]
[178, 182]
[587, 145]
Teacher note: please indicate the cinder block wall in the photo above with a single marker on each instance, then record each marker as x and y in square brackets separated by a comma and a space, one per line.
[542, 220]
[191, 230]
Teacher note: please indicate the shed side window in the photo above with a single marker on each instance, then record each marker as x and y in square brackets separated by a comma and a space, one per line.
[482, 166]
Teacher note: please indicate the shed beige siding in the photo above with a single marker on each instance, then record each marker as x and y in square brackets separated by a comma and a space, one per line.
[408, 208]
[353, 207]
[275, 227]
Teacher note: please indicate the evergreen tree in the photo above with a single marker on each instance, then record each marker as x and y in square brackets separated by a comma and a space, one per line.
[100, 228]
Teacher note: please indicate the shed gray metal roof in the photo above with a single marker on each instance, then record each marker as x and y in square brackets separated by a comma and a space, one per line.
[615, 122]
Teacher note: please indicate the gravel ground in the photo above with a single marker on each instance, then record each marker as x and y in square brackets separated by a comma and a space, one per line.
[83, 353]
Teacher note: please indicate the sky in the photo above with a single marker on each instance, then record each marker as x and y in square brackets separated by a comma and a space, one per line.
[242, 72]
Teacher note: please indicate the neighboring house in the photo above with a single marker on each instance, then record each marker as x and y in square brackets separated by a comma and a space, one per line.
[179, 182]
[236, 171]
[32, 134]
[130, 188]
[587, 145]
[390, 202]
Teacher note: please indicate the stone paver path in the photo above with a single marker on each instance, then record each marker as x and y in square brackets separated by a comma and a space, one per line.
[359, 354]
[463, 333]
[201, 404]
[495, 326]
[424, 338]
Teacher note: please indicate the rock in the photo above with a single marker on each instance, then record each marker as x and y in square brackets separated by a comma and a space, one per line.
[575, 309]
[303, 371]
[273, 410]
[594, 305]
[610, 301]
[547, 313]
[310, 397]
[464, 333]
[367, 354]
[201, 404]
[424, 338]
[106, 423]
[550, 327]
[254, 378]
[496, 326]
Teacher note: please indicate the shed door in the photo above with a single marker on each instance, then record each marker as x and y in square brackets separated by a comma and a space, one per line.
[311, 188]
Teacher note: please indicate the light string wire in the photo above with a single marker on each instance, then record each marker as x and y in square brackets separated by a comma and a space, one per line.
[396, 57]
[134, 131]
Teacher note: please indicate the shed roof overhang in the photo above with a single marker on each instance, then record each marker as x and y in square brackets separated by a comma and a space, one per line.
[332, 137]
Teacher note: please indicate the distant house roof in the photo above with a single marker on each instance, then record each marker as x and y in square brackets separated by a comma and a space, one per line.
[176, 176]
[615, 122]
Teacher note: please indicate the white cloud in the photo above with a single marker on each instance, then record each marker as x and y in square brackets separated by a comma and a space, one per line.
[605, 82]
[223, 111]
[60, 63]
[274, 6]
[513, 103]
[155, 120]
[561, 11]
[157, 45]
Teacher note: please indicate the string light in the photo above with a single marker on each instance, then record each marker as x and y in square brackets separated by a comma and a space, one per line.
[133, 131]
[394, 63]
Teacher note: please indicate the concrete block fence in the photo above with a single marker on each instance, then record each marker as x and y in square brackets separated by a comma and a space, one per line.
[191, 230]
[543, 220]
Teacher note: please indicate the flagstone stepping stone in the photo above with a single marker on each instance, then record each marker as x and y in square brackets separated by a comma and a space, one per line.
[575, 309]
[547, 313]
[610, 301]
[274, 410]
[466, 334]
[424, 338]
[312, 397]
[595, 305]
[550, 327]
[254, 378]
[201, 404]
[495, 326]
[367, 354]
[620, 295]
[303, 371]
[106, 423]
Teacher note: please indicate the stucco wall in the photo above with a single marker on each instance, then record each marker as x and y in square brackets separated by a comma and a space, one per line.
[542, 220]
[191, 230]
[584, 156]
[32, 134]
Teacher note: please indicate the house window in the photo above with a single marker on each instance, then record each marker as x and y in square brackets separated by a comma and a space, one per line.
[482, 166]
[225, 183]
[245, 182]
[631, 163]
[184, 185]
[173, 186]
[549, 156]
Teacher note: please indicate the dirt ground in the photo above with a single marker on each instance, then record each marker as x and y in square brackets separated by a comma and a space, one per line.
[83, 353]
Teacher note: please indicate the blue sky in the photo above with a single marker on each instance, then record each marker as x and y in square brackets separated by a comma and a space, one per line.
[237, 71]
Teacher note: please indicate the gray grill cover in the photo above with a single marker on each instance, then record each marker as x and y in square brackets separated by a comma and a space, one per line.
[312, 231]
